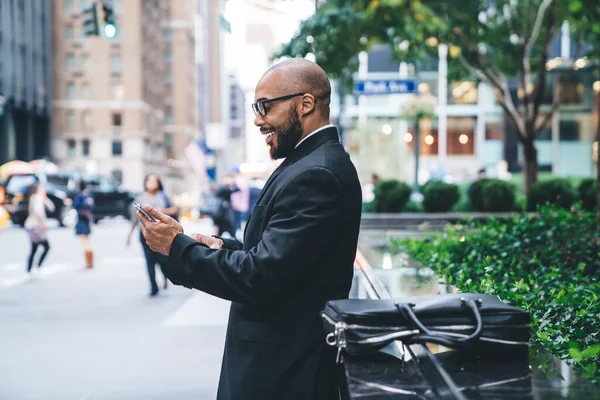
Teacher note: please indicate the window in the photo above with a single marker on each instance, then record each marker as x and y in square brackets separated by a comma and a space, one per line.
[84, 61]
[167, 35]
[71, 95]
[117, 92]
[168, 78]
[168, 141]
[117, 175]
[168, 56]
[168, 117]
[85, 145]
[68, 5]
[115, 64]
[117, 148]
[70, 62]
[71, 147]
[116, 119]
[85, 91]
[70, 120]
[69, 32]
[87, 120]
[84, 4]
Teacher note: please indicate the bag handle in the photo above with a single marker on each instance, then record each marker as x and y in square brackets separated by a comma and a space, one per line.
[438, 337]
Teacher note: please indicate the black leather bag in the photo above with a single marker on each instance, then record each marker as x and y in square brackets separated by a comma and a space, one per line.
[481, 323]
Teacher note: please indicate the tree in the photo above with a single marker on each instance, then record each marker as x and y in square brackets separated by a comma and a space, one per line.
[585, 22]
[489, 41]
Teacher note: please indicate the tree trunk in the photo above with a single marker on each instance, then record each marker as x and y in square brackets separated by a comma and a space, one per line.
[530, 165]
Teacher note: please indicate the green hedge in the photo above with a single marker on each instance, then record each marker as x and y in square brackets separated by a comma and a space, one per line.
[549, 265]
[556, 191]
[439, 196]
[390, 196]
[587, 193]
[492, 195]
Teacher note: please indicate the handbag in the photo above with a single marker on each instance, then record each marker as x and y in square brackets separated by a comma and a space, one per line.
[476, 322]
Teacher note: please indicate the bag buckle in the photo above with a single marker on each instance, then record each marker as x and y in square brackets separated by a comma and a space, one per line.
[337, 338]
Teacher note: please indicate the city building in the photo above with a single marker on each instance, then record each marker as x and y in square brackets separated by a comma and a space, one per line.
[25, 80]
[237, 123]
[126, 106]
[478, 133]
[258, 29]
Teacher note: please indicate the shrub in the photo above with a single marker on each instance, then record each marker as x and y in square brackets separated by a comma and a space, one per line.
[368, 206]
[556, 191]
[475, 193]
[546, 264]
[498, 196]
[587, 193]
[412, 207]
[391, 196]
[439, 196]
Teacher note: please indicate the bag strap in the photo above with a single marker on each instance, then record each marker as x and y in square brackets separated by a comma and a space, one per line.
[427, 335]
[165, 199]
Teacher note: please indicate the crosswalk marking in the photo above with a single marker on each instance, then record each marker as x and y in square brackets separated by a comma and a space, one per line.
[45, 271]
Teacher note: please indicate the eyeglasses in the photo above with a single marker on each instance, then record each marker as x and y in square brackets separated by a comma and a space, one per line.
[259, 106]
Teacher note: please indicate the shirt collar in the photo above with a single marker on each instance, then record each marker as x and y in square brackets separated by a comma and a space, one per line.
[313, 132]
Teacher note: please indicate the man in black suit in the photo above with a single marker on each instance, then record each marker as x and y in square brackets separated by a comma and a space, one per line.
[298, 251]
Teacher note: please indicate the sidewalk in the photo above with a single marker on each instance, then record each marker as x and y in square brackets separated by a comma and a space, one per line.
[94, 334]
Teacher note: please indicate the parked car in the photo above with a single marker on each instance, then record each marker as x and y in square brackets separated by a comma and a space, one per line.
[62, 188]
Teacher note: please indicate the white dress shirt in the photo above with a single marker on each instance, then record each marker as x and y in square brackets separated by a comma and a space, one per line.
[315, 131]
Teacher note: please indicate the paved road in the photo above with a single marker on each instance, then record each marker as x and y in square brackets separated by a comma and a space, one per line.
[95, 334]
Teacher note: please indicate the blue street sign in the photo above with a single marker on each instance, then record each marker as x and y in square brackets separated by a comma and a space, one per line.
[385, 86]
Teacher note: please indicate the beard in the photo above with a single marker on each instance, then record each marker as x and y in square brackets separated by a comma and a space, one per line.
[288, 135]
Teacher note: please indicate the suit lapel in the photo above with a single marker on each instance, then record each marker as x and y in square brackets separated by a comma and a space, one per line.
[305, 148]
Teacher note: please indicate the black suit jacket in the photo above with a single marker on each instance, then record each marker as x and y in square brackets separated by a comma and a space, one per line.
[298, 252]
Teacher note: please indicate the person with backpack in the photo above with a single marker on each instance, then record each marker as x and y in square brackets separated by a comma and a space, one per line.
[36, 223]
[155, 196]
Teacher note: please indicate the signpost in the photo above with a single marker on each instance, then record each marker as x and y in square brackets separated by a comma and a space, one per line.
[385, 86]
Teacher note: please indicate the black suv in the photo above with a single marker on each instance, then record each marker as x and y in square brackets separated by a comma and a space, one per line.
[62, 188]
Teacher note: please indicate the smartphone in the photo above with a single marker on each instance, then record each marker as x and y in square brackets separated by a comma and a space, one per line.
[140, 209]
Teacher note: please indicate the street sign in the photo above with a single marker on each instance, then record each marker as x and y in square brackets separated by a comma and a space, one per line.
[385, 86]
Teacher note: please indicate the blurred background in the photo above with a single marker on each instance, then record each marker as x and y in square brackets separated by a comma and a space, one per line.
[110, 91]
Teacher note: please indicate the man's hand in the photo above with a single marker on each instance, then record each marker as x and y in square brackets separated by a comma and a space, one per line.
[159, 235]
[212, 242]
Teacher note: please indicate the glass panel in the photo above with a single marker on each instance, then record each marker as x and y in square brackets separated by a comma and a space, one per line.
[20, 183]
[115, 63]
[71, 145]
[85, 91]
[69, 32]
[117, 148]
[71, 95]
[71, 120]
[70, 62]
[85, 147]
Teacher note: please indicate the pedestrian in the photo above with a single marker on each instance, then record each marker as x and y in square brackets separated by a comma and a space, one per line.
[155, 196]
[240, 199]
[36, 223]
[223, 215]
[84, 205]
[298, 251]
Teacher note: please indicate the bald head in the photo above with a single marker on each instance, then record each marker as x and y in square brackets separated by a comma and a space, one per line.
[298, 75]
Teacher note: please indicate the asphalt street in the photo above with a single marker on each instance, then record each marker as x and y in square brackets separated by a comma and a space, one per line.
[95, 334]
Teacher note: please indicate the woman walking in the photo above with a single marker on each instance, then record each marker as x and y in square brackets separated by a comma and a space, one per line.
[154, 195]
[36, 222]
[84, 204]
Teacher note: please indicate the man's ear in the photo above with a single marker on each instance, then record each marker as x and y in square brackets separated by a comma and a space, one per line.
[308, 104]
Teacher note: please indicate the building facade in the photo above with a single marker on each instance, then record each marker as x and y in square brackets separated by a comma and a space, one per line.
[478, 134]
[25, 79]
[121, 107]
